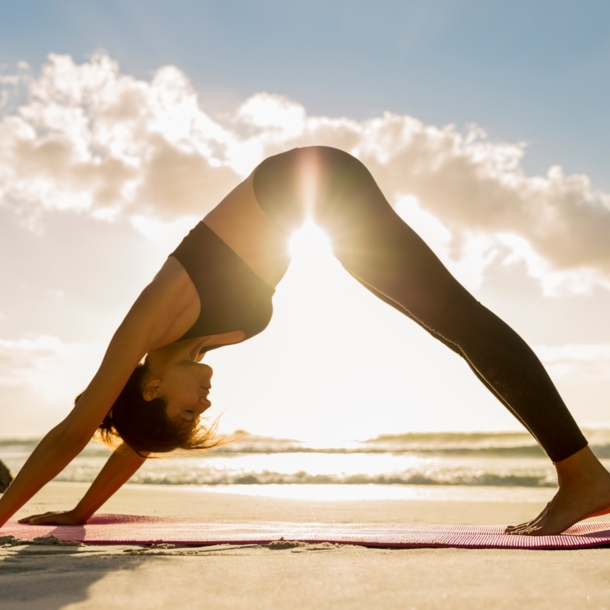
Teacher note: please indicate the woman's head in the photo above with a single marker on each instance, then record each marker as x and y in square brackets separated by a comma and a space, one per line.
[183, 384]
[158, 414]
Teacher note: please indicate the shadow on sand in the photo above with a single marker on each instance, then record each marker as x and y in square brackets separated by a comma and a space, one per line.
[51, 576]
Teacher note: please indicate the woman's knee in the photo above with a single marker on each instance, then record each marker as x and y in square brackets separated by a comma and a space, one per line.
[463, 319]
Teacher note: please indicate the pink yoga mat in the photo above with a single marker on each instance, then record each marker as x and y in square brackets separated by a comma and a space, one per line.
[134, 529]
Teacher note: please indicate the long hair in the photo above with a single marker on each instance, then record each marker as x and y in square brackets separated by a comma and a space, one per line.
[145, 426]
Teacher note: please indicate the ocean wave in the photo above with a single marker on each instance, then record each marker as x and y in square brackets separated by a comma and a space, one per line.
[516, 451]
[449, 444]
[212, 478]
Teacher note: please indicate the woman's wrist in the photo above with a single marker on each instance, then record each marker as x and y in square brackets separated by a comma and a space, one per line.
[79, 515]
[7, 508]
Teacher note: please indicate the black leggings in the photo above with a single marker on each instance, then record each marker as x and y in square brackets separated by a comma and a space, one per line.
[385, 255]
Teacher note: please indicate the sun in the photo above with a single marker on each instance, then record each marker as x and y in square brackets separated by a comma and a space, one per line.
[309, 243]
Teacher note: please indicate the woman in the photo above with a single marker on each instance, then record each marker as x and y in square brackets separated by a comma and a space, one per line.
[216, 289]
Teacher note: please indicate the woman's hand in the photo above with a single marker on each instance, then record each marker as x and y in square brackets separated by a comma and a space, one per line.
[53, 518]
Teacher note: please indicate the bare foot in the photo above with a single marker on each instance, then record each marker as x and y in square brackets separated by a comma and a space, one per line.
[584, 491]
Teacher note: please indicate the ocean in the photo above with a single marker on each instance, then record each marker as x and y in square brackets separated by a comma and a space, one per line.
[384, 467]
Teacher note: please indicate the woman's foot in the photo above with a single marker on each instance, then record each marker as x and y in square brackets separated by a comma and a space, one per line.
[584, 491]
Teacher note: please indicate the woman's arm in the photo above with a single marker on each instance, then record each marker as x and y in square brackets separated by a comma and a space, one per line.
[162, 313]
[119, 468]
[64, 442]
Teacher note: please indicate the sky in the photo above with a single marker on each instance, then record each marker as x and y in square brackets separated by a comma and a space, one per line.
[485, 124]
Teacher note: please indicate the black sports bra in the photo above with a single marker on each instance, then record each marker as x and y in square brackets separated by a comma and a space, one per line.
[232, 296]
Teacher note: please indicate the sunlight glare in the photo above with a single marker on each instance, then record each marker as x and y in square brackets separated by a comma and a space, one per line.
[309, 242]
[334, 493]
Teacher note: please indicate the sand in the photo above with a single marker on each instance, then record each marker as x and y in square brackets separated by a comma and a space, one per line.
[303, 576]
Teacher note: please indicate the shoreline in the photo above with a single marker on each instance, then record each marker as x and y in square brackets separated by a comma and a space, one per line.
[426, 504]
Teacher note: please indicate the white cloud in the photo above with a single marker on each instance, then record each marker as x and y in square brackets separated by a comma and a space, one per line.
[580, 372]
[93, 140]
[588, 359]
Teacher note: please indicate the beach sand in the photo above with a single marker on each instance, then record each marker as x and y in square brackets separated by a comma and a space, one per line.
[306, 576]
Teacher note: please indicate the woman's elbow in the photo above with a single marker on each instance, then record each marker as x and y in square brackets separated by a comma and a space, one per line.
[69, 437]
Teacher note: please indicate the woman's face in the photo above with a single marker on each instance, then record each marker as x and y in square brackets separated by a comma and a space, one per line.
[185, 387]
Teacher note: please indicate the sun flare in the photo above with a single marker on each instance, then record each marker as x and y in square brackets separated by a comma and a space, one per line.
[309, 242]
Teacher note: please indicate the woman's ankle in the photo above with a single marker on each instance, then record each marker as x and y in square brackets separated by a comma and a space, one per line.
[580, 467]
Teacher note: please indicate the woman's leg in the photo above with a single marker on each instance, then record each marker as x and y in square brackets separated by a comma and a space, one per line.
[392, 261]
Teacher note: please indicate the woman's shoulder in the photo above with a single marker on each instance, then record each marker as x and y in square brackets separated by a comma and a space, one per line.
[167, 307]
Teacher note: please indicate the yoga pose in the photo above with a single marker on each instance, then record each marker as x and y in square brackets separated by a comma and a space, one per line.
[216, 288]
